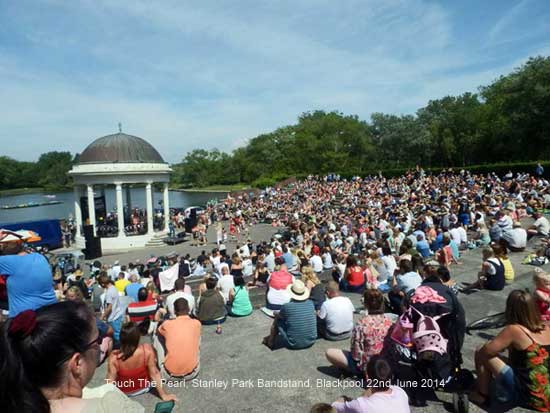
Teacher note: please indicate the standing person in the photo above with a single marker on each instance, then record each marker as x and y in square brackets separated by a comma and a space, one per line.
[49, 356]
[113, 311]
[133, 368]
[524, 379]
[29, 279]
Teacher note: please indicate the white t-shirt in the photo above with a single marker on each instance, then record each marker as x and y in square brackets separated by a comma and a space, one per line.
[317, 263]
[171, 299]
[455, 235]
[225, 284]
[112, 297]
[338, 314]
[516, 237]
[542, 225]
[327, 261]
[463, 235]
[390, 264]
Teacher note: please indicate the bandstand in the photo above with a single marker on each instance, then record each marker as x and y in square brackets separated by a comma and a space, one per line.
[121, 161]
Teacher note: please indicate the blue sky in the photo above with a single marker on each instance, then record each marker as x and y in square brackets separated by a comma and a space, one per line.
[205, 74]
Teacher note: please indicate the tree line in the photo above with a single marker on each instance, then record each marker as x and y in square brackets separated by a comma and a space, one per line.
[507, 121]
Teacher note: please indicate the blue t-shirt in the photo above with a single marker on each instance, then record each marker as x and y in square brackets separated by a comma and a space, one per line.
[29, 282]
[132, 290]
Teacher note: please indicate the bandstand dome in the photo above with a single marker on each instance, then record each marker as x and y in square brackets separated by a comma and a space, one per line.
[120, 147]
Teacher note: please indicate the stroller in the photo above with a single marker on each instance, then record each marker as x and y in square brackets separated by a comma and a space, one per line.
[430, 359]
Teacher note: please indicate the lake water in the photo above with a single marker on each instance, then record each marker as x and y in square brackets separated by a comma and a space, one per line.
[177, 200]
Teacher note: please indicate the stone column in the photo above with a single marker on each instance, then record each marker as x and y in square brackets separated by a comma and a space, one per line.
[91, 206]
[77, 211]
[149, 203]
[120, 211]
[166, 202]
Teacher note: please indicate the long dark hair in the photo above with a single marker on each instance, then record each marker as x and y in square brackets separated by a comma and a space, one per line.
[33, 359]
[130, 333]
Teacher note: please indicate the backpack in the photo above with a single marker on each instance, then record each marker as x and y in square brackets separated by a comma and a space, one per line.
[427, 335]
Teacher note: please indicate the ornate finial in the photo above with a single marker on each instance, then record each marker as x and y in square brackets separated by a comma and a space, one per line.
[119, 127]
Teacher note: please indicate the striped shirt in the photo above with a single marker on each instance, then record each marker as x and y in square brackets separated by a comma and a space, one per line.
[141, 310]
[298, 322]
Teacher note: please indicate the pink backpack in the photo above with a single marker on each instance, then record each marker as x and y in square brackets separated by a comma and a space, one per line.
[402, 332]
[427, 335]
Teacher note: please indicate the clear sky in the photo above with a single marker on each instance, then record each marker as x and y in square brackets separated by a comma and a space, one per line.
[214, 73]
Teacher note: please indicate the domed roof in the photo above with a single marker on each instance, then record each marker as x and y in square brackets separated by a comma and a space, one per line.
[120, 148]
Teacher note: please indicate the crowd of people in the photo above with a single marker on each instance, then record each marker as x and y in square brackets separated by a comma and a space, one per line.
[394, 241]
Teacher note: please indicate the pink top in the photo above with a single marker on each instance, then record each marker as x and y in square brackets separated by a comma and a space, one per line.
[279, 280]
[396, 402]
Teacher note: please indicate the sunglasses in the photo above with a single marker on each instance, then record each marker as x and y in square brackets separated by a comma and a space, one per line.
[97, 341]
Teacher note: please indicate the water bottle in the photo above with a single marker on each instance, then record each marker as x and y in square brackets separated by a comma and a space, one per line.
[219, 328]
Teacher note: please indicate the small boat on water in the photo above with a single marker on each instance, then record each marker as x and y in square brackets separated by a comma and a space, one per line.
[31, 205]
[50, 196]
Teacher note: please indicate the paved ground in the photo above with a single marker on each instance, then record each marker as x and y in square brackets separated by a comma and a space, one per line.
[236, 368]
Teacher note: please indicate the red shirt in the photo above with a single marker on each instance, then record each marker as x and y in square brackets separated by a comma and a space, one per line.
[355, 276]
[279, 280]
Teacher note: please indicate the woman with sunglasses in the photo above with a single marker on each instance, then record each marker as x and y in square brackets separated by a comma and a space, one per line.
[47, 358]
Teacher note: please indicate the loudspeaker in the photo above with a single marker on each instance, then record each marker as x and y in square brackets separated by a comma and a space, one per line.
[88, 232]
[93, 248]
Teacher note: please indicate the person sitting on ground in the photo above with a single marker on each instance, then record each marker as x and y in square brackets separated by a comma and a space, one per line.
[239, 302]
[353, 279]
[542, 294]
[327, 259]
[403, 284]
[491, 276]
[515, 239]
[121, 283]
[226, 283]
[261, 274]
[501, 252]
[236, 265]
[105, 330]
[540, 227]
[335, 319]
[181, 291]
[29, 280]
[524, 380]
[177, 344]
[422, 246]
[295, 326]
[113, 310]
[316, 262]
[210, 307]
[380, 396]
[133, 368]
[277, 293]
[367, 338]
[132, 289]
[313, 284]
[50, 356]
[482, 237]
[144, 312]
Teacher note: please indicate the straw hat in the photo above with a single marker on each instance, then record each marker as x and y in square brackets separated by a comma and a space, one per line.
[298, 291]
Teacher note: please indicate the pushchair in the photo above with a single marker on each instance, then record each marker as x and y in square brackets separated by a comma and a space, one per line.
[423, 371]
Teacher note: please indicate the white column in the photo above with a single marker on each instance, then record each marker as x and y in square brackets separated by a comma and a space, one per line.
[166, 202]
[91, 206]
[77, 211]
[120, 211]
[149, 200]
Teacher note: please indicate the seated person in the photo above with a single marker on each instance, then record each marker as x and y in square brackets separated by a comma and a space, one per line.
[210, 307]
[523, 378]
[278, 281]
[541, 226]
[295, 326]
[403, 284]
[121, 283]
[178, 344]
[422, 246]
[132, 289]
[491, 276]
[144, 309]
[335, 319]
[353, 279]
[261, 274]
[380, 396]
[43, 334]
[181, 291]
[315, 287]
[239, 302]
[367, 338]
[515, 239]
[133, 368]
[225, 283]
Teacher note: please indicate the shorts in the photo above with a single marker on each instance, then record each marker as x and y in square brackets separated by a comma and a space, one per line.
[352, 364]
[507, 386]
